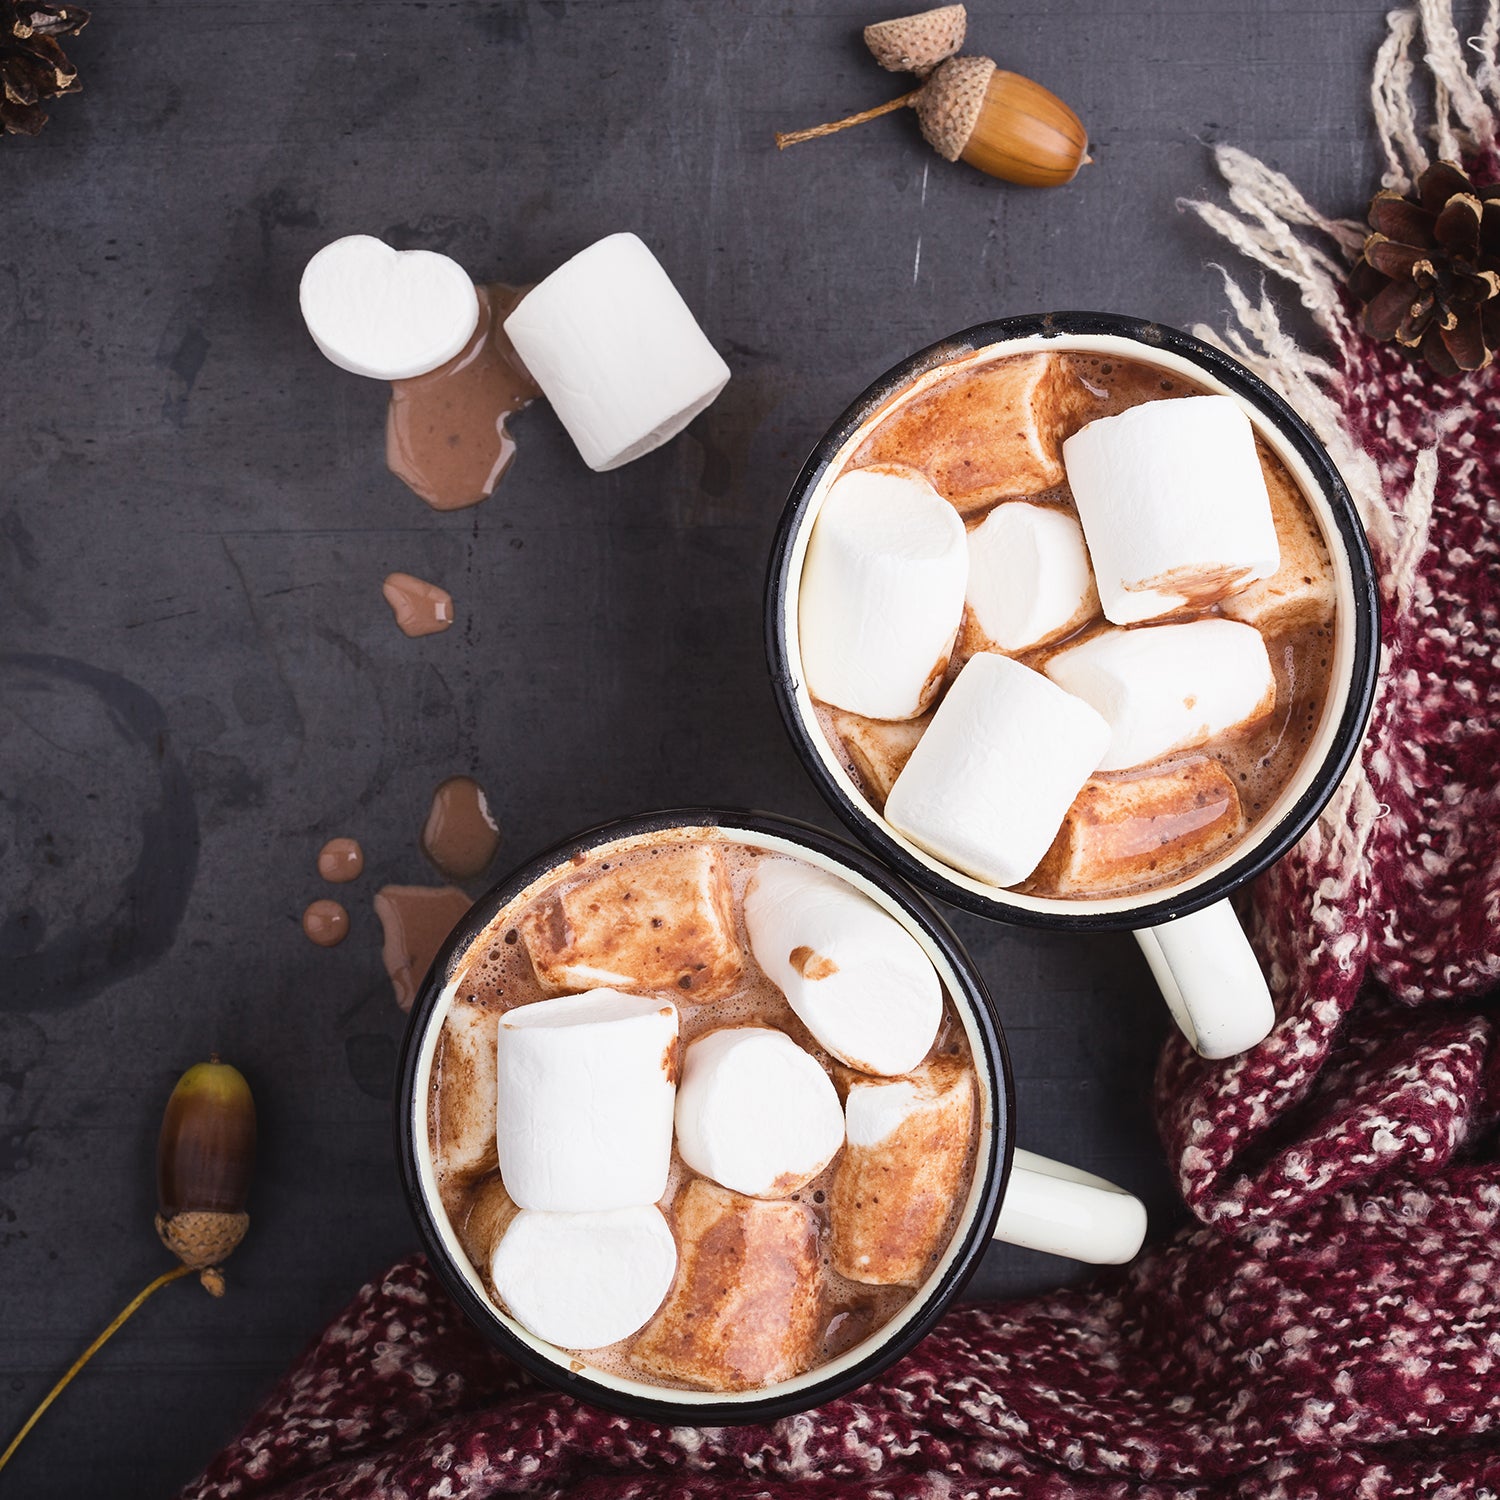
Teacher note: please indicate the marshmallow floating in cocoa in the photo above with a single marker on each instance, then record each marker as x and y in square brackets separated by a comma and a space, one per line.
[857, 979]
[745, 1308]
[1119, 835]
[1029, 576]
[1168, 687]
[987, 787]
[616, 351]
[1300, 592]
[584, 1280]
[882, 593]
[661, 923]
[466, 1102]
[1173, 504]
[586, 1089]
[388, 314]
[899, 1179]
[755, 1112]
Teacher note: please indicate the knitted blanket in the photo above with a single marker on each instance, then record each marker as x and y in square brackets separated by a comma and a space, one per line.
[1331, 1326]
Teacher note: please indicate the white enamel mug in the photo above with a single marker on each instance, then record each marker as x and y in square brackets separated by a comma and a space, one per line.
[1013, 1195]
[1186, 928]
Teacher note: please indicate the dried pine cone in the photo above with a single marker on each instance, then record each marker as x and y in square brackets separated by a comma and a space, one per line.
[33, 65]
[1430, 274]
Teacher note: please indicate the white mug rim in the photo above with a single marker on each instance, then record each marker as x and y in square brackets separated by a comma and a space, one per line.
[1344, 716]
[972, 1234]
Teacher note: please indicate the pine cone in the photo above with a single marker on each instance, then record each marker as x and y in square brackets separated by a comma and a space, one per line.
[1429, 277]
[33, 65]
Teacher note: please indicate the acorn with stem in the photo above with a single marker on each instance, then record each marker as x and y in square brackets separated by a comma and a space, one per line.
[969, 108]
[204, 1158]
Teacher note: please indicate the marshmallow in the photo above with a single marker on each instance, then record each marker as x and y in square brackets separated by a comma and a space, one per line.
[465, 1066]
[1300, 592]
[986, 789]
[745, 1309]
[1001, 436]
[586, 1086]
[1029, 577]
[1168, 687]
[1173, 504]
[857, 979]
[389, 314]
[616, 351]
[901, 1174]
[661, 921]
[878, 748]
[1120, 835]
[585, 1280]
[755, 1112]
[882, 593]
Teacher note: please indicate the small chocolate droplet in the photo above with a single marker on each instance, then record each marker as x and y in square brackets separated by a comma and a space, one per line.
[326, 923]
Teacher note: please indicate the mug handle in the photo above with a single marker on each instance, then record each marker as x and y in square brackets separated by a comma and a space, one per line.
[1051, 1206]
[1211, 981]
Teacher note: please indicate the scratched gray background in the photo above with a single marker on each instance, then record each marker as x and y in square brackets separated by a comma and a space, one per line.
[201, 681]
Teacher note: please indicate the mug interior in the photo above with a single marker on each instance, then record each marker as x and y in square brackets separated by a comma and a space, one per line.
[1351, 672]
[572, 1370]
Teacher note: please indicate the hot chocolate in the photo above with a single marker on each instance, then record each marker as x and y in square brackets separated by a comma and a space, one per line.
[1203, 659]
[420, 608]
[445, 430]
[751, 1232]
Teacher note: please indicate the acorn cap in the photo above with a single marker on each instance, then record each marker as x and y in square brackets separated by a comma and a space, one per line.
[917, 44]
[202, 1238]
[949, 103]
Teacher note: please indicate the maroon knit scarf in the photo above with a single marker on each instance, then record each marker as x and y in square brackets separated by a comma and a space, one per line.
[1332, 1326]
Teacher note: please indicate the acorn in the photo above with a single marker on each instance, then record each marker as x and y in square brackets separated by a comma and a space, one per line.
[972, 110]
[204, 1158]
[917, 44]
[1002, 123]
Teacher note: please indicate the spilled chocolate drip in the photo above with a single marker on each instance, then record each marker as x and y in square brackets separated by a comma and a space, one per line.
[420, 608]
[460, 836]
[416, 921]
[445, 431]
[340, 861]
[326, 923]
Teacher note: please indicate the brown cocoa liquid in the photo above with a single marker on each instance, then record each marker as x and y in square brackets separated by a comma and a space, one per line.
[1261, 758]
[497, 974]
[340, 861]
[445, 433]
[326, 923]
[420, 608]
[415, 921]
[460, 836]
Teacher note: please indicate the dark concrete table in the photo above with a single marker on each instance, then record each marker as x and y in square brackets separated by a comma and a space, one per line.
[203, 681]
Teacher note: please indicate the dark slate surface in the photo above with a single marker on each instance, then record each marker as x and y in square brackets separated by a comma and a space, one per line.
[201, 681]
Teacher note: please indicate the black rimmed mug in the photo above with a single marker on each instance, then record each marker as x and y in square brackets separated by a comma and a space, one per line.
[1014, 1195]
[1186, 928]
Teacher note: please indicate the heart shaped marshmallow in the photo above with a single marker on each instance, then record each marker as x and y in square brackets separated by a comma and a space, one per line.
[389, 314]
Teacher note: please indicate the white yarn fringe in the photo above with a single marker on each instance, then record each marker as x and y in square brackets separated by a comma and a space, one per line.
[1273, 224]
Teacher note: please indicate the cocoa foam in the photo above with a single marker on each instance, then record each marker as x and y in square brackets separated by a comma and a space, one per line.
[1261, 759]
[497, 974]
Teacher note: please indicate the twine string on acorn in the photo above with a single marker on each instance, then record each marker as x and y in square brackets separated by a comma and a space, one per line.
[969, 108]
[204, 1157]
